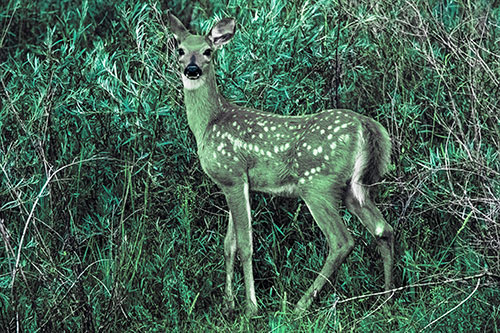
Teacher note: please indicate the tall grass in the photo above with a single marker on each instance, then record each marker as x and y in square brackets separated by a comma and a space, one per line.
[109, 224]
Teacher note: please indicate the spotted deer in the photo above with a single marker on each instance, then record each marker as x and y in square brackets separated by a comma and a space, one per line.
[325, 158]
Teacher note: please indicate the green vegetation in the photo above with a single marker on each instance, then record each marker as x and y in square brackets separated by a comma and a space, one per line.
[109, 224]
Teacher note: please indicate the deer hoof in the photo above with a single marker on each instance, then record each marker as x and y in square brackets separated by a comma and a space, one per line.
[251, 311]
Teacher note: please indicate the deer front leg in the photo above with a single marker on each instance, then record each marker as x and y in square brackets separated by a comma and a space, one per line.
[229, 253]
[237, 197]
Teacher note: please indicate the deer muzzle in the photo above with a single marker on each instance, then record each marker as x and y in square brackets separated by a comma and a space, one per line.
[192, 71]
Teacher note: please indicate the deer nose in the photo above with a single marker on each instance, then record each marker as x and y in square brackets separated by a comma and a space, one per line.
[192, 71]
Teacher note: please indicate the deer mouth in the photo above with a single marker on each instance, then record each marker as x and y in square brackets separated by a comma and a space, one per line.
[193, 77]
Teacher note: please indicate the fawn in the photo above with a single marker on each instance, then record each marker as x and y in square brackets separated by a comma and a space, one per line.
[325, 158]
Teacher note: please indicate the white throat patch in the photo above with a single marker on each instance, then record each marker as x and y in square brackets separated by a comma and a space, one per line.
[192, 84]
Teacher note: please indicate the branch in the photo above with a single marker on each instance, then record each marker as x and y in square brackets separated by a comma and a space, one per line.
[30, 216]
[392, 291]
[453, 308]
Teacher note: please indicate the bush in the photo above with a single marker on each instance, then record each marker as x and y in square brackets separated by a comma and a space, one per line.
[109, 224]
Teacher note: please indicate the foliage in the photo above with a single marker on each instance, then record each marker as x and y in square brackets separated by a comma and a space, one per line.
[109, 224]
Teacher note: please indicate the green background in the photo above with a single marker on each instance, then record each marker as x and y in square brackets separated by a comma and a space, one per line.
[113, 226]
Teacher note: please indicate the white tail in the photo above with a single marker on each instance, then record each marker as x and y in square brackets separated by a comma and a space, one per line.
[325, 158]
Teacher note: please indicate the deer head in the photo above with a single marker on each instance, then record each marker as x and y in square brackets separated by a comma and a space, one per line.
[196, 52]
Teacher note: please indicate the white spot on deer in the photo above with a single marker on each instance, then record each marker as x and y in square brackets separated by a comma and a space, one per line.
[268, 153]
[276, 149]
[315, 152]
[379, 230]
[322, 132]
[344, 125]
[344, 138]
[250, 146]
[302, 181]
[220, 147]
[261, 135]
[329, 127]
[306, 173]
[299, 154]
[326, 157]
[256, 149]
[266, 129]
[235, 123]
[333, 145]
[330, 136]
[337, 121]
[313, 170]
[336, 129]
[320, 150]
[273, 128]
[237, 143]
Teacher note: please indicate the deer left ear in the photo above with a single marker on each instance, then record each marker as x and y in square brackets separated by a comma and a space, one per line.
[222, 32]
[179, 30]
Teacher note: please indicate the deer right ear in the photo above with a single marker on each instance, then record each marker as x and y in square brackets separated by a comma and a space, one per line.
[179, 30]
[222, 32]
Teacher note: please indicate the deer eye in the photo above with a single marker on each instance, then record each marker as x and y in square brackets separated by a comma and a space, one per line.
[208, 52]
[181, 52]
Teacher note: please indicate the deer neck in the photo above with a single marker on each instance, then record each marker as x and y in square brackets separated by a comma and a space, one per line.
[202, 105]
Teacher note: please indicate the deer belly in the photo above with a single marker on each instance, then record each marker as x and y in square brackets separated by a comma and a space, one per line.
[273, 182]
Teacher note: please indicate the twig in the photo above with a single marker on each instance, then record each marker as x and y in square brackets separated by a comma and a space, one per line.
[30, 216]
[453, 308]
[479, 275]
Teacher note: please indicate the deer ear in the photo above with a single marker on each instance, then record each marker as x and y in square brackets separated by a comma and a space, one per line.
[179, 30]
[222, 32]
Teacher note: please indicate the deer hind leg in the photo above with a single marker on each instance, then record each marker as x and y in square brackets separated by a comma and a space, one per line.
[373, 220]
[229, 254]
[340, 242]
[237, 197]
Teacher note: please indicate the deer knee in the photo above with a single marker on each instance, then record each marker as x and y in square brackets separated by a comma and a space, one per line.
[245, 252]
[229, 246]
[384, 233]
[345, 245]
